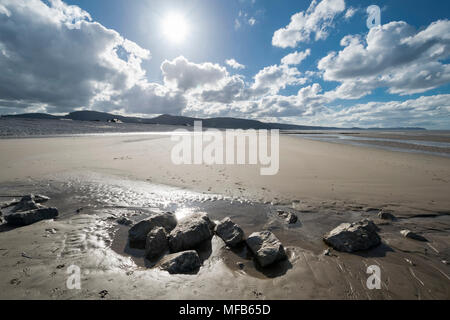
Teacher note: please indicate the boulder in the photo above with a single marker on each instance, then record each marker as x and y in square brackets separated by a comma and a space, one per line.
[156, 243]
[137, 235]
[266, 247]
[386, 216]
[230, 232]
[182, 262]
[412, 235]
[351, 237]
[190, 232]
[24, 218]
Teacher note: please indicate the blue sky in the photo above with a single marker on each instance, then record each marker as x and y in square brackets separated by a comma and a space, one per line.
[191, 76]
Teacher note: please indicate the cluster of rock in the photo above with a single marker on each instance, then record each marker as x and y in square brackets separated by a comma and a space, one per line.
[351, 237]
[28, 210]
[162, 233]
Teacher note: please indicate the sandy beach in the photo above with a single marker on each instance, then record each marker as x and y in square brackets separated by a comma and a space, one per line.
[94, 179]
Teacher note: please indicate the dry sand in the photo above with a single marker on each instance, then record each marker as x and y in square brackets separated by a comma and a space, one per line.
[324, 183]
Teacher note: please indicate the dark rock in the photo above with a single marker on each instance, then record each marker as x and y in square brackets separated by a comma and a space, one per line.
[351, 237]
[230, 232]
[266, 247]
[26, 204]
[24, 218]
[124, 221]
[182, 262]
[289, 217]
[156, 243]
[412, 235]
[386, 216]
[137, 234]
[190, 232]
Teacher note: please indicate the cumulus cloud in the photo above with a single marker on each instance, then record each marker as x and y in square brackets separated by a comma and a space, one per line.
[295, 57]
[185, 75]
[54, 55]
[273, 78]
[393, 55]
[316, 20]
[234, 64]
[425, 111]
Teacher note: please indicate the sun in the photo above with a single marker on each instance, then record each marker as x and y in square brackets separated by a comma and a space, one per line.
[175, 27]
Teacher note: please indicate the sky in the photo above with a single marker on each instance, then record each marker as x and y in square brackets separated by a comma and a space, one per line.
[303, 62]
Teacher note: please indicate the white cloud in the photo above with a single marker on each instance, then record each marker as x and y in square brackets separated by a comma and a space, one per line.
[234, 64]
[316, 20]
[252, 21]
[394, 55]
[350, 12]
[54, 55]
[425, 111]
[185, 75]
[295, 57]
[273, 78]
[237, 24]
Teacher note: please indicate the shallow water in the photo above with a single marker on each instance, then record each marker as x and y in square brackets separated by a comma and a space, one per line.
[432, 143]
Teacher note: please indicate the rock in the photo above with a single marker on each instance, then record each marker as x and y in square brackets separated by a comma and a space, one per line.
[386, 215]
[137, 235]
[7, 204]
[124, 221]
[181, 262]
[156, 243]
[351, 237]
[230, 232]
[205, 217]
[327, 252]
[266, 247]
[241, 265]
[26, 204]
[412, 235]
[24, 218]
[289, 217]
[190, 232]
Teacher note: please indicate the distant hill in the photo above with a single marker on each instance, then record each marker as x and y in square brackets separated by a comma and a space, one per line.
[165, 119]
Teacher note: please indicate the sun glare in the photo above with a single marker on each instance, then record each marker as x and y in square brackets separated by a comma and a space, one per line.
[175, 27]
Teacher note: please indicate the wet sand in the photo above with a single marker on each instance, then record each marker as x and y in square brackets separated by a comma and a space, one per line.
[94, 180]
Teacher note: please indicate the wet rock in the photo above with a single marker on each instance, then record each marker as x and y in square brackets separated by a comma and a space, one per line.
[266, 247]
[7, 204]
[137, 235]
[156, 244]
[124, 221]
[24, 218]
[230, 232]
[182, 262]
[386, 216]
[327, 252]
[411, 235]
[289, 217]
[190, 232]
[351, 237]
[26, 204]
[205, 217]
